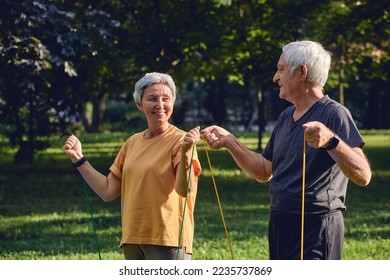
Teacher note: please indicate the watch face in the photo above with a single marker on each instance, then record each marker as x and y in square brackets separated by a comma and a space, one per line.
[333, 142]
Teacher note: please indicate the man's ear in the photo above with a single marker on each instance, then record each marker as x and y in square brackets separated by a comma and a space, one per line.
[303, 72]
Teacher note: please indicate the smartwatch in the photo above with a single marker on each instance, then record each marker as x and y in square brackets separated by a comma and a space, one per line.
[333, 142]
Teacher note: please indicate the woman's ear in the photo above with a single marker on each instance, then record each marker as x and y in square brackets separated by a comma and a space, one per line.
[139, 106]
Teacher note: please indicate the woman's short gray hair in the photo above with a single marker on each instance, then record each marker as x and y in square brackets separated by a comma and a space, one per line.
[311, 54]
[150, 79]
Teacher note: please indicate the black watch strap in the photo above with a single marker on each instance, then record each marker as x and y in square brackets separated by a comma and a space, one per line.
[334, 141]
[79, 162]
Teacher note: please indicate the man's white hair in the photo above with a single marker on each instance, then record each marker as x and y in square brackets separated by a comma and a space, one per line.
[313, 55]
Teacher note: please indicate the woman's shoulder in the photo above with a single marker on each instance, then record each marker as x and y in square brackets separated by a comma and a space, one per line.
[176, 130]
[133, 138]
[136, 136]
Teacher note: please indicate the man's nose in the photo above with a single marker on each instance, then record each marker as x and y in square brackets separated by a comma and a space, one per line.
[275, 79]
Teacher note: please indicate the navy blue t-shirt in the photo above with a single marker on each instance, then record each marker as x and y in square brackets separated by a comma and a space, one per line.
[325, 184]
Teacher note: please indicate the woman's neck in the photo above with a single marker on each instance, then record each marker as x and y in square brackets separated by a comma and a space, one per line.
[152, 132]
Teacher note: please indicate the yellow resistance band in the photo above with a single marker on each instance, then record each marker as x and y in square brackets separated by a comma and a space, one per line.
[303, 194]
[219, 202]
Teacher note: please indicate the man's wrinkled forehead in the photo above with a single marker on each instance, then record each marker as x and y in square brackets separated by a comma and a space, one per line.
[281, 61]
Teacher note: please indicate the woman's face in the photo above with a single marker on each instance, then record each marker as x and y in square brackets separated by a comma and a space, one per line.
[157, 104]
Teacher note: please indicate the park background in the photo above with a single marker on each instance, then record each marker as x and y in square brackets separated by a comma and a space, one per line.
[70, 67]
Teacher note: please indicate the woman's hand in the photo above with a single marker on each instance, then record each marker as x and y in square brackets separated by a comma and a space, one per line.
[73, 148]
[191, 139]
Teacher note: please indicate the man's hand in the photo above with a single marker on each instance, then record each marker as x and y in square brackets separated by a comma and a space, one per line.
[317, 134]
[216, 137]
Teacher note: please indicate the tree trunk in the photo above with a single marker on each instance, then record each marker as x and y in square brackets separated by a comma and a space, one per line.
[260, 114]
[215, 103]
[98, 107]
[377, 115]
[341, 73]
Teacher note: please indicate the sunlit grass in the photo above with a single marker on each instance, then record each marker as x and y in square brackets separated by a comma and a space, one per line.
[44, 211]
[217, 172]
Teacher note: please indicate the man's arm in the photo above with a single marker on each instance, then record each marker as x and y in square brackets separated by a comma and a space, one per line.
[254, 164]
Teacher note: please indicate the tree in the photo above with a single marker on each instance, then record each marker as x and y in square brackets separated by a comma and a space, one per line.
[39, 44]
[59, 55]
[357, 33]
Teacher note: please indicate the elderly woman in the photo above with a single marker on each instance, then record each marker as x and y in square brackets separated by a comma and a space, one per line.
[151, 173]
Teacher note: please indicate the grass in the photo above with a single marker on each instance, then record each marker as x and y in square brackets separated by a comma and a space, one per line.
[44, 212]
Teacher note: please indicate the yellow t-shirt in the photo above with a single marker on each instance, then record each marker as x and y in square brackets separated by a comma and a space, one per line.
[151, 209]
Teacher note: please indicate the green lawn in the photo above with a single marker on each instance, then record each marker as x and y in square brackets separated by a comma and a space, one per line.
[44, 211]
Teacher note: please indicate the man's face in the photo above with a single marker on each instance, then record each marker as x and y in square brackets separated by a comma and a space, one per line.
[288, 85]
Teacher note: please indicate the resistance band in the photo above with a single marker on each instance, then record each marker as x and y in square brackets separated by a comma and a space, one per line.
[303, 195]
[185, 205]
[93, 224]
[219, 202]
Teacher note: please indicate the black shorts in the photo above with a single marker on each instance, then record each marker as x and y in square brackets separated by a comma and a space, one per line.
[323, 237]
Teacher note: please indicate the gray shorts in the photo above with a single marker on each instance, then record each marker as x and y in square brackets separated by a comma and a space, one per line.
[154, 252]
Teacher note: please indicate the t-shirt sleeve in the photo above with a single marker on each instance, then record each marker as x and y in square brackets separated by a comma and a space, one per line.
[195, 161]
[267, 153]
[196, 164]
[341, 122]
[117, 166]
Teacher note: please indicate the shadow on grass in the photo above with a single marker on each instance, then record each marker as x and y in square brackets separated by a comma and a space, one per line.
[53, 234]
[44, 211]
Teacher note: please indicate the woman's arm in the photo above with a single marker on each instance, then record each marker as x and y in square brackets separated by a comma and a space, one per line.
[107, 187]
[183, 168]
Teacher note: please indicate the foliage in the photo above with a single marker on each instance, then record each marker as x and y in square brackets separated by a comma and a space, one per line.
[357, 33]
[122, 115]
[39, 43]
[44, 213]
[61, 55]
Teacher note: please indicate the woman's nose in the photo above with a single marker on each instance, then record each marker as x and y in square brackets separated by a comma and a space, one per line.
[160, 102]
